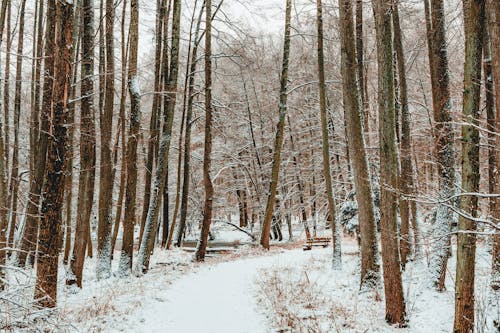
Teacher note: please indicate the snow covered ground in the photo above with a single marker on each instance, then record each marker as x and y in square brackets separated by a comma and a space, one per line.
[248, 290]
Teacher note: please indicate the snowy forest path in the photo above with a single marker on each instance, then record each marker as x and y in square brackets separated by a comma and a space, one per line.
[215, 299]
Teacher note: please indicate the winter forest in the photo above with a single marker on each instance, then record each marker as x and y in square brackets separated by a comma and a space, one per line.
[250, 166]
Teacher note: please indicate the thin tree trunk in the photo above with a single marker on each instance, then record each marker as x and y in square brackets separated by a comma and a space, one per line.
[278, 145]
[135, 116]
[394, 300]
[50, 227]
[87, 147]
[14, 175]
[106, 163]
[150, 227]
[29, 238]
[120, 135]
[474, 17]
[360, 69]
[493, 10]
[187, 134]
[3, 180]
[407, 208]
[6, 96]
[207, 158]
[337, 258]
[168, 234]
[370, 270]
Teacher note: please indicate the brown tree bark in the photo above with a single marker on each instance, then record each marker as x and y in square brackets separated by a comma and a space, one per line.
[3, 180]
[444, 136]
[155, 110]
[474, 17]
[106, 163]
[370, 270]
[14, 175]
[395, 312]
[87, 147]
[207, 158]
[135, 117]
[50, 227]
[151, 224]
[278, 144]
[493, 10]
[29, 238]
[407, 208]
[337, 257]
[187, 135]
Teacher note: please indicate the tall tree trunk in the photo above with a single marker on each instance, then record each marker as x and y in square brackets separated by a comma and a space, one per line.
[168, 234]
[187, 135]
[474, 17]
[120, 134]
[29, 238]
[360, 69]
[3, 181]
[155, 110]
[135, 117]
[150, 227]
[106, 163]
[337, 259]
[6, 96]
[50, 227]
[14, 175]
[207, 153]
[278, 145]
[407, 208]
[395, 305]
[71, 133]
[493, 10]
[444, 136]
[370, 269]
[87, 147]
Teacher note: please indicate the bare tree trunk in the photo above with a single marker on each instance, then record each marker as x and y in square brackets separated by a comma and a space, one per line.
[407, 208]
[135, 117]
[6, 95]
[493, 10]
[120, 135]
[87, 147]
[187, 134]
[360, 69]
[207, 158]
[50, 227]
[474, 16]
[150, 227]
[444, 136]
[155, 110]
[3, 180]
[394, 300]
[14, 175]
[278, 145]
[29, 238]
[337, 257]
[106, 163]
[370, 270]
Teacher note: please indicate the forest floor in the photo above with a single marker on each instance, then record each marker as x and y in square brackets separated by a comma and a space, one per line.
[249, 290]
